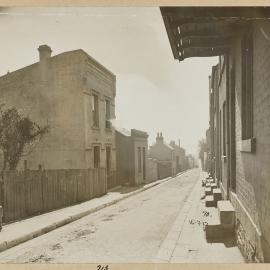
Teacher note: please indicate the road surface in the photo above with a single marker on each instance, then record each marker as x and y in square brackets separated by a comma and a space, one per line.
[130, 231]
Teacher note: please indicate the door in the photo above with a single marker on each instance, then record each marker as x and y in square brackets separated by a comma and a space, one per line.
[232, 182]
[108, 159]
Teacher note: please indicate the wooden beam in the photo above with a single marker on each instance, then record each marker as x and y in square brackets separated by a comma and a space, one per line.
[178, 22]
[202, 52]
[202, 41]
[202, 29]
[217, 12]
[170, 34]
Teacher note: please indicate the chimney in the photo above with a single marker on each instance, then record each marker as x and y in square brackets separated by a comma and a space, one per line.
[44, 52]
[179, 142]
[159, 138]
[172, 143]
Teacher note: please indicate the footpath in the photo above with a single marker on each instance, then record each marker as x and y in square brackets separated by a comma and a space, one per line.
[186, 241]
[18, 232]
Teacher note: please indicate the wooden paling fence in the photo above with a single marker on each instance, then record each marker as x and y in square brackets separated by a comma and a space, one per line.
[113, 180]
[27, 193]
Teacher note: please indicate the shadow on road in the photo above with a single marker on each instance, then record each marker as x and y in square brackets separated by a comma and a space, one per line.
[228, 242]
[126, 189]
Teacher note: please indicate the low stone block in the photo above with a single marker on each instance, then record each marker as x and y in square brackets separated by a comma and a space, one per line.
[208, 191]
[213, 186]
[213, 230]
[226, 214]
[210, 180]
[209, 201]
[217, 194]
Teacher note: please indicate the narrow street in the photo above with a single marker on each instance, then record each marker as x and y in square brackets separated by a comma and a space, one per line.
[130, 231]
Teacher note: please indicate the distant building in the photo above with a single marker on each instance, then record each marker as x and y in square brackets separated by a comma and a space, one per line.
[180, 154]
[208, 157]
[191, 161]
[165, 155]
[74, 94]
[131, 156]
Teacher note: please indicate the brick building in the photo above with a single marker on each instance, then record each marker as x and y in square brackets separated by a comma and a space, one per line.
[74, 94]
[131, 156]
[239, 94]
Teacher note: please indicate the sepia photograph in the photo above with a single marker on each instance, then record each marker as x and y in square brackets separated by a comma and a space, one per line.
[134, 134]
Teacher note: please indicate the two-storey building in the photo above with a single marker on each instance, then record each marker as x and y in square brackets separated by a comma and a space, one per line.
[73, 94]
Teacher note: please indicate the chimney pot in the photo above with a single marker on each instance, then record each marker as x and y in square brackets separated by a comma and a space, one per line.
[44, 52]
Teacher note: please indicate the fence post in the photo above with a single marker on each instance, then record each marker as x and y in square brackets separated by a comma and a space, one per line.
[42, 190]
[2, 194]
[105, 182]
[1, 217]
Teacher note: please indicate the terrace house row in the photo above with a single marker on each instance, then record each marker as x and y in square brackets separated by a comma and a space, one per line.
[239, 94]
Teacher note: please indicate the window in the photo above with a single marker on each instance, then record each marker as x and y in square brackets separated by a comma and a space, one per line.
[107, 114]
[96, 157]
[139, 160]
[224, 128]
[247, 86]
[95, 110]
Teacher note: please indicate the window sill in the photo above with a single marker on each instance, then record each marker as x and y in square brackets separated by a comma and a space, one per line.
[95, 128]
[248, 146]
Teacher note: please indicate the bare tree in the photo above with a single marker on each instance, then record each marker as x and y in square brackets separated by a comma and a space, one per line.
[16, 134]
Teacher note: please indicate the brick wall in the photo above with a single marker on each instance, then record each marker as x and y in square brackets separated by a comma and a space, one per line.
[252, 169]
[151, 170]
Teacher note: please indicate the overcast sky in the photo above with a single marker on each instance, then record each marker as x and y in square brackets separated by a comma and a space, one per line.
[154, 91]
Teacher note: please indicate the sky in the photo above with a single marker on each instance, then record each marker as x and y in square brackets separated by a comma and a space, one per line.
[154, 92]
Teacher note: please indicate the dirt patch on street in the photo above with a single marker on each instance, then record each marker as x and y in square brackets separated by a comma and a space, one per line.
[41, 258]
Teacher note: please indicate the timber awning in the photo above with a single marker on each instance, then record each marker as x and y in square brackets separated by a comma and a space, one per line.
[206, 31]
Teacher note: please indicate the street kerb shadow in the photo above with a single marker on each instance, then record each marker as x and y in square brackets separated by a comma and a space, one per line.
[126, 189]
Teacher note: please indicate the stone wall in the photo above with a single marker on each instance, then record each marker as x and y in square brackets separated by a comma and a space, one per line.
[151, 170]
[124, 160]
[57, 91]
[48, 93]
